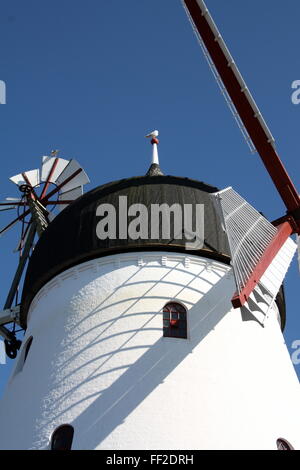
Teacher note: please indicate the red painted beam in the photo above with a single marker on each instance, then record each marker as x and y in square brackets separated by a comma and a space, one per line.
[32, 194]
[49, 178]
[284, 231]
[54, 191]
[269, 156]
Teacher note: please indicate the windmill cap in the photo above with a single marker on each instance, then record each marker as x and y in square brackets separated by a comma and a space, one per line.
[71, 238]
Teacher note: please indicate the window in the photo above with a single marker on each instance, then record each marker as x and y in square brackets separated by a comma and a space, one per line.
[26, 348]
[283, 444]
[62, 438]
[174, 320]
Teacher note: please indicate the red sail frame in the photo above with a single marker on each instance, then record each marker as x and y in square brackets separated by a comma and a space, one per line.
[252, 121]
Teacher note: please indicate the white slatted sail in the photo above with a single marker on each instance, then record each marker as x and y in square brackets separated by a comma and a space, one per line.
[275, 273]
[69, 196]
[54, 172]
[18, 179]
[36, 208]
[62, 171]
[258, 305]
[33, 177]
[249, 234]
[79, 180]
[47, 164]
[267, 289]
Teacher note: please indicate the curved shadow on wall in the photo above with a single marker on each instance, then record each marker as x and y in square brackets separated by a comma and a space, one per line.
[116, 402]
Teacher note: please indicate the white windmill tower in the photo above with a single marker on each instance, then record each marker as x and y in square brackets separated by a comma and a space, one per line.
[133, 339]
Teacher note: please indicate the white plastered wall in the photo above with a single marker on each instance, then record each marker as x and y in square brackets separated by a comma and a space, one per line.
[99, 361]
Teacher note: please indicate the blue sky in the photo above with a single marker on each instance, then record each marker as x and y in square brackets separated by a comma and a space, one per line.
[92, 78]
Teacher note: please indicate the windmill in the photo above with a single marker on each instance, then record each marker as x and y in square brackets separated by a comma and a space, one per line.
[269, 242]
[56, 186]
[129, 329]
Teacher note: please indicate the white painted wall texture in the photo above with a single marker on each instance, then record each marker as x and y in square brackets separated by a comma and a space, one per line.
[99, 361]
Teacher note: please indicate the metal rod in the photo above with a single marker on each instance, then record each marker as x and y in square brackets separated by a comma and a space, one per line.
[6, 334]
[21, 217]
[12, 203]
[20, 267]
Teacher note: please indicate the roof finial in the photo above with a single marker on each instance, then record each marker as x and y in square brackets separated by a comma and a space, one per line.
[154, 142]
[154, 168]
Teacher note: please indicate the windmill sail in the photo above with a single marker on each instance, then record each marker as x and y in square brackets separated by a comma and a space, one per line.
[59, 178]
[250, 234]
[48, 165]
[79, 179]
[235, 87]
[70, 195]
[31, 177]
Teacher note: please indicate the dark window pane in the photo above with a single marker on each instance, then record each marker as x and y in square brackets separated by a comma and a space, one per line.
[283, 444]
[62, 438]
[27, 347]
